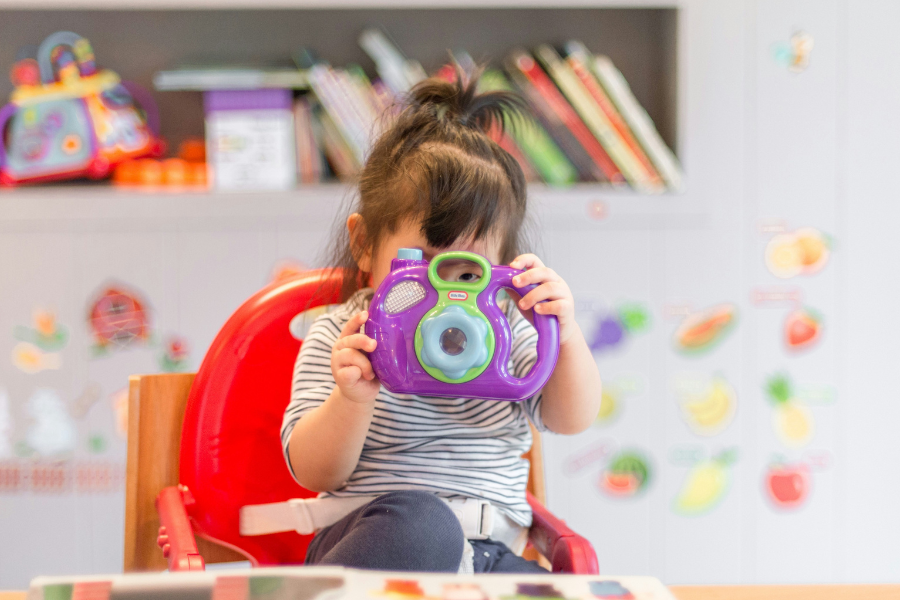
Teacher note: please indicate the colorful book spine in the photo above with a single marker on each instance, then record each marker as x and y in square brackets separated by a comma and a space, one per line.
[309, 157]
[638, 120]
[564, 113]
[505, 141]
[331, 89]
[585, 167]
[397, 71]
[548, 160]
[340, 156]
[578, 60]
[595, 119]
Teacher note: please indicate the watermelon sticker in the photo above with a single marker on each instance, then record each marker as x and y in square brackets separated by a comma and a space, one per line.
[701, 331]
[626, 475]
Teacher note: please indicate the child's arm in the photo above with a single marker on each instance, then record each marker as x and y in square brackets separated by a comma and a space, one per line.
[571, 398]
[326, 443]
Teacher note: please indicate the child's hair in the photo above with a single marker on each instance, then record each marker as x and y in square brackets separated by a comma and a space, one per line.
[436, 162]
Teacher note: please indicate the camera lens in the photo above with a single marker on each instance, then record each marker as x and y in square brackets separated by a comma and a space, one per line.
[453, 341]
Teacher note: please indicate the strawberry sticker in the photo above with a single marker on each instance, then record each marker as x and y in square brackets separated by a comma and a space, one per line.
[802, 329]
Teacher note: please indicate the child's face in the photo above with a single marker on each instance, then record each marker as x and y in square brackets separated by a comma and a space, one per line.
[409, 235]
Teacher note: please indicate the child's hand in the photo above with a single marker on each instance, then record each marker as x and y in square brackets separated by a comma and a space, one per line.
[551, 288]
[351, 368]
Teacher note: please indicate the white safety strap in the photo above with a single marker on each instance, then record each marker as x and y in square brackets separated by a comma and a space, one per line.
[308, 515]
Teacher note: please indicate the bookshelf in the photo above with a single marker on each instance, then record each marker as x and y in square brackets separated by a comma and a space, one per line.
[136, 42]
[101, 208]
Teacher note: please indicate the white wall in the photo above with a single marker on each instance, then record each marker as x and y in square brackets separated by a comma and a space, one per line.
[760, 145]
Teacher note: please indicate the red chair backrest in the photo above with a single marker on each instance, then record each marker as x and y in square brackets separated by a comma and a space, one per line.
[231, 453]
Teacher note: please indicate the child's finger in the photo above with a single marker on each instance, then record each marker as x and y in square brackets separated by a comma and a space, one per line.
[349, 357]
[359, 341]
[553, 290]
[356, 321]
[348, 376]
[536, 275]
[554, 307]
[525, 262]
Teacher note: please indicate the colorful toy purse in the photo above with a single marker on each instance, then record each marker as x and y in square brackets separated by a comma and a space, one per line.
[450, 338]
[67, 120]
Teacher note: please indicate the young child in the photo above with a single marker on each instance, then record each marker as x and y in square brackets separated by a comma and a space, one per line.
[395, 468]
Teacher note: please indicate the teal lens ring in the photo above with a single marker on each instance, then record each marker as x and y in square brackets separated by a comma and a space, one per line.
[454, 342]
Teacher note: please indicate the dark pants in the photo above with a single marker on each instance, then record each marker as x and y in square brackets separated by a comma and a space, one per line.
[408, 531]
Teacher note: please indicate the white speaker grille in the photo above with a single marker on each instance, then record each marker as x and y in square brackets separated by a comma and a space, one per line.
[404, 295]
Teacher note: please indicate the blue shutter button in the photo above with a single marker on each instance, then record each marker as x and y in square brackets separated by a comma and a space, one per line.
[409, 254]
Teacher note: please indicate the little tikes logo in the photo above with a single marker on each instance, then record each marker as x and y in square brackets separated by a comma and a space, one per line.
[458, 295]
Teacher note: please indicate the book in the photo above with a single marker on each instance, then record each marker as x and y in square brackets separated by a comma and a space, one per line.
[250, 139]
[552, 123]
[550, 102]
[540, 149]
[309, 155]
[340, 157]
[506, 142]
[398, 72]
[578, 59]
[595, 119]
[340, 101]
[229, 77]
[638, 120]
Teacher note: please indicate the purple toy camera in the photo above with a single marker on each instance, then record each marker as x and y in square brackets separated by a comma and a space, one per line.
[450, 338]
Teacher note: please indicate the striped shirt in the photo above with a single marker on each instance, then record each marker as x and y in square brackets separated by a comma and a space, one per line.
[453, 447]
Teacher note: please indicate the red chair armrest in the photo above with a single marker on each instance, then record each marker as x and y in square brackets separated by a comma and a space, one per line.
[567, 551]
[176, 538]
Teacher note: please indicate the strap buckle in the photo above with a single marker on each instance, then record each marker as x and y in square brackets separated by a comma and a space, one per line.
[276, 517]
[475, 516]
[304, 524]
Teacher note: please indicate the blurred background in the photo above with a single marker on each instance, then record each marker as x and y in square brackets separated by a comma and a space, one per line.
[712, 178]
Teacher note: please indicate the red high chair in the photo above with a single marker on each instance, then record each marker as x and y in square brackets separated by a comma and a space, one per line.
[201, 447]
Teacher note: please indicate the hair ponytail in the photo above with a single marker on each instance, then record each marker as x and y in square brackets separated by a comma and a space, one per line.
[437, 163]
[458, 100]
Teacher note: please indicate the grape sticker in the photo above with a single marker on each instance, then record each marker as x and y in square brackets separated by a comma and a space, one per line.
[803, 252]
[793, 421]
[706, 484]
[802, 329]
[708, 407]
[701, 331]
[613, 329]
